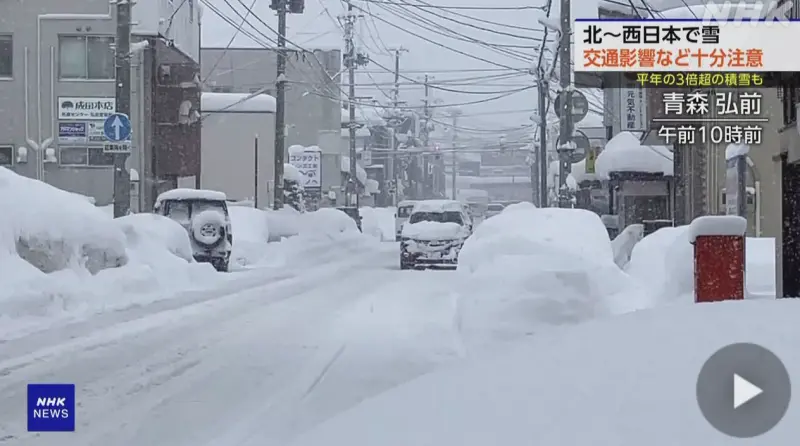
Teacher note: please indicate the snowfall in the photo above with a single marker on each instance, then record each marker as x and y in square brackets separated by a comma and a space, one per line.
[547, 333]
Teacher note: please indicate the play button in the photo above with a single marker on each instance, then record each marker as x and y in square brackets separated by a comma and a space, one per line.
[743, 390]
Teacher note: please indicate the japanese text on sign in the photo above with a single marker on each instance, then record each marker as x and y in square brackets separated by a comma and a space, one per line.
[699, 79]
[308, 163]
[681, 46]
[692, 59]
[655, 34]
[720, 117]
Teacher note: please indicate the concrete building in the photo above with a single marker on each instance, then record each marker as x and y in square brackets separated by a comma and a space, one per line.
[57, 86]
[313, 104]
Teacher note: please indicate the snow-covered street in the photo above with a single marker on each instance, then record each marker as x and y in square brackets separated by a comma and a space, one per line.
[260, 360]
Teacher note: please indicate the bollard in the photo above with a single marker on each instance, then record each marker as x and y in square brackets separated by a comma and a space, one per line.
[719, 257]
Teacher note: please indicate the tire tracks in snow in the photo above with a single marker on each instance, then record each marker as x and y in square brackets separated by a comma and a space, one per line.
[33, 349]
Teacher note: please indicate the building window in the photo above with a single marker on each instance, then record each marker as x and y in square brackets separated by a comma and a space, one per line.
[83, 156]
[86, 57]
[6, 55]
[6, 155]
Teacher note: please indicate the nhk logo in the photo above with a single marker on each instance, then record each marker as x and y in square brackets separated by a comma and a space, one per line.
[51, 407]
[737, 14]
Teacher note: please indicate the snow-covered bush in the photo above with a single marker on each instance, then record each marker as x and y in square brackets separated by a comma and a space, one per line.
[293, 194]
[52, 229]
[326, 222]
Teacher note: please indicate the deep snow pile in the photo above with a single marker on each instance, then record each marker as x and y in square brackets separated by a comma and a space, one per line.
[52, 230]
[322, 223]
[63, 258]
[664, 260]
[528, 268]
[611, 382]
[378, 222]
[250, 228]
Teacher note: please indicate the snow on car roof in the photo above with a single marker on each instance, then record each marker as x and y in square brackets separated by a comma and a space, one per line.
[407, 203]
[438, 206]
[191, 194]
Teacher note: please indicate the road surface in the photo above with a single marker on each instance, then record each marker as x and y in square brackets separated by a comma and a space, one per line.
[255, 361]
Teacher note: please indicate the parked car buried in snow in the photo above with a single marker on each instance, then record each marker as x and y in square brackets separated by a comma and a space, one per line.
[204, 215]
[434, 234]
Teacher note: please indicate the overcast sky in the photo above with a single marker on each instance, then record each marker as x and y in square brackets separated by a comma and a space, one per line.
[504, 49]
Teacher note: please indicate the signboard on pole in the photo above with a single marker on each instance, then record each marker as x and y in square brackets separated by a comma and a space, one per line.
[309, 163]
[580, 106]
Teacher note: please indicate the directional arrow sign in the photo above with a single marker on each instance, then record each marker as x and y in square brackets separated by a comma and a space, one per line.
[117, 127]
[743, 391]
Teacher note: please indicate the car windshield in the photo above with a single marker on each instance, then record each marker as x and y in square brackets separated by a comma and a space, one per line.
[183, 210]
[404, 211]
[440, 217]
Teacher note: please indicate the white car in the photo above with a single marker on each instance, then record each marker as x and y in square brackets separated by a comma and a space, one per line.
[404, 209]
[204, 215]
[434, 234]
[494, 209]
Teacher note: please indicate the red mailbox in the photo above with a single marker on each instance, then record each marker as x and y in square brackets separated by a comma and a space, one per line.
[719, 258]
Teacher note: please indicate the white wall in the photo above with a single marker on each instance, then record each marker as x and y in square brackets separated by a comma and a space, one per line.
[228, 157]
[183, 28]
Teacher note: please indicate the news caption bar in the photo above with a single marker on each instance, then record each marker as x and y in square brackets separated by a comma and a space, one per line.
[681, 46]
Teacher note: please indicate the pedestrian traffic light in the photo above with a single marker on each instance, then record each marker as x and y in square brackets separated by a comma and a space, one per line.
[297, 6]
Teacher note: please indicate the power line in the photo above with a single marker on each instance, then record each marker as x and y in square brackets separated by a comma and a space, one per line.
[496, 64]
[478, 8]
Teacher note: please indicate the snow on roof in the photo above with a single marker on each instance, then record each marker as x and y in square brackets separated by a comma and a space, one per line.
[717, 225]
[191, 194]
[360, 172]
[624, 153]
[364, 115]
[407, 203]
[292, 174]
[236, 103]
[438, 206]
[734, 150]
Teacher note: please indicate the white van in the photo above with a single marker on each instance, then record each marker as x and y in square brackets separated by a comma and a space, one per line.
[404, 209]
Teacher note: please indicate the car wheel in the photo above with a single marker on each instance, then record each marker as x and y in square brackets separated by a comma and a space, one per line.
[405, 265]
[220, 265]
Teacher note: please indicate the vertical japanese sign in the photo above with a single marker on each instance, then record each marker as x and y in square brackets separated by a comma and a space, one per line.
[633, 107]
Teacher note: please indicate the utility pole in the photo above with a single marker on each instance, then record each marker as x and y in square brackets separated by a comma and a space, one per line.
[436, 189]
[565, 147]
[393, 121]
[351, 61]
[541, 155]
[454, 114]
[122, 179]
[280, 105]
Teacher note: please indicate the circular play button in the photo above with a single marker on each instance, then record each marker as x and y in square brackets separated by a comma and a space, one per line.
[743, 390]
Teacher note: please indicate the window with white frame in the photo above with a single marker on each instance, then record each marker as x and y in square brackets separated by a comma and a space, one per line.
[86, 57]
[6, 155]
[6, 55]
[85, 156]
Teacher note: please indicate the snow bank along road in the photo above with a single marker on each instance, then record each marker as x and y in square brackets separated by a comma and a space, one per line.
[255, 362]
